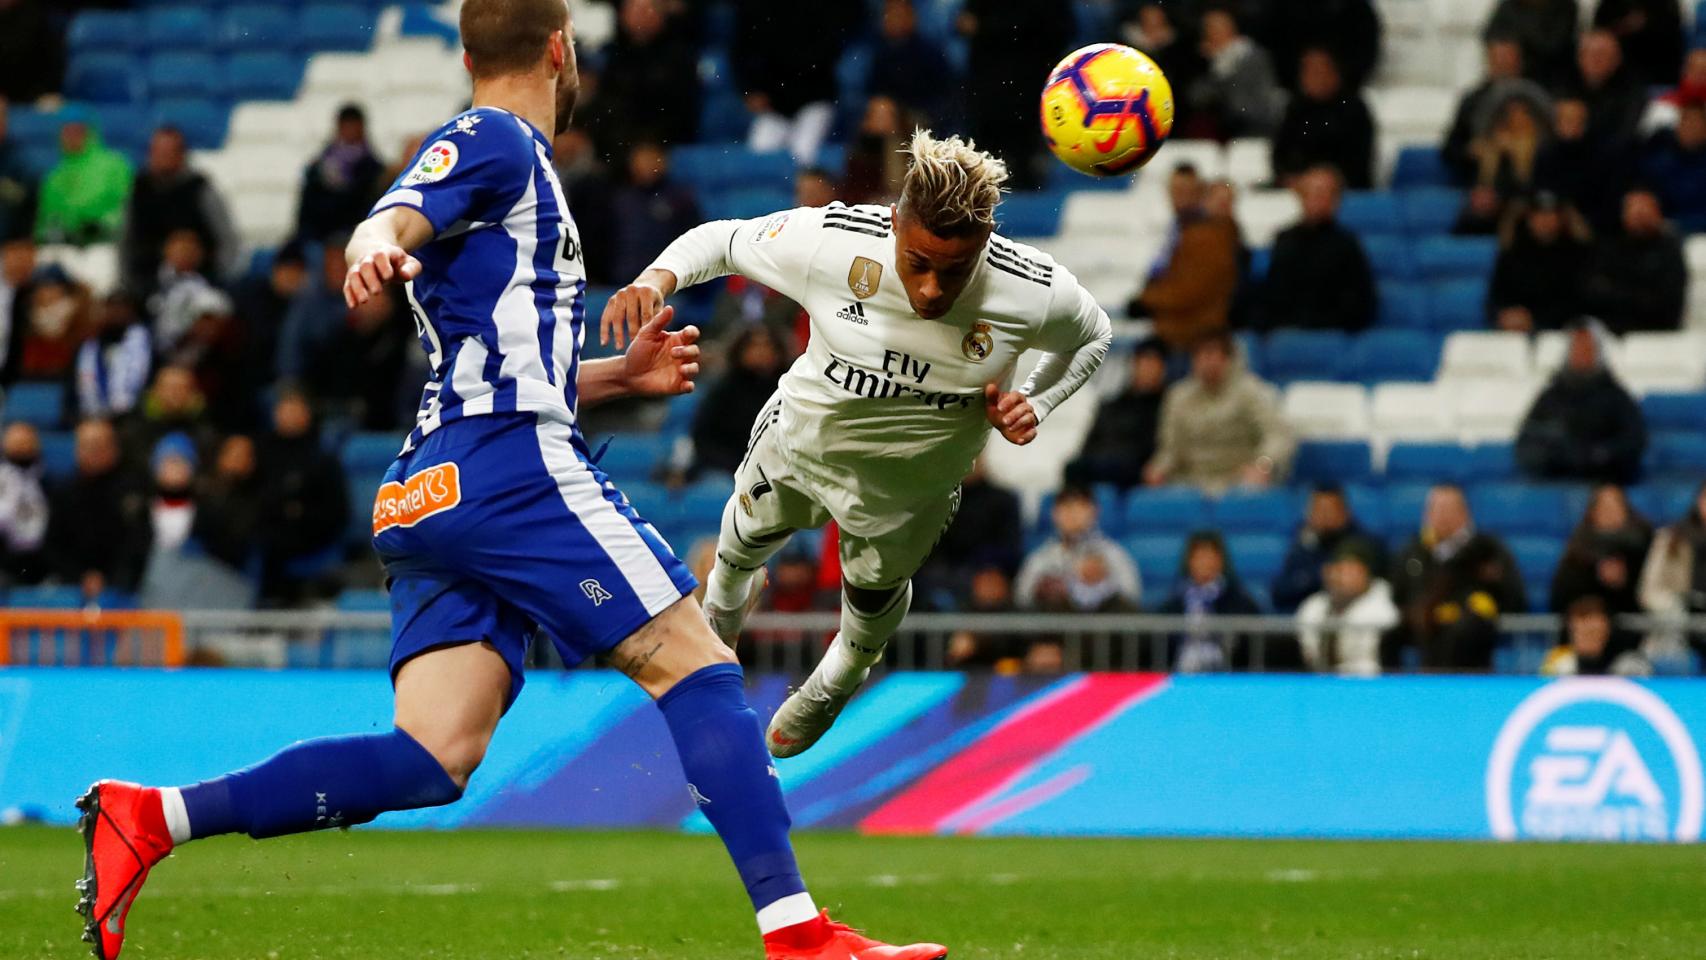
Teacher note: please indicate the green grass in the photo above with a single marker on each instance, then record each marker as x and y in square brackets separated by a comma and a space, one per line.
[373, 895]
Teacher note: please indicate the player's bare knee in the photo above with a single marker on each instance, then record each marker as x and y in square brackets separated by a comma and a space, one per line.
[459, 752]
[671, 647]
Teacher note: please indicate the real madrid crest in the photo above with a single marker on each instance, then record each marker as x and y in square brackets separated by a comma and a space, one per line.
[746, 504]
[864, 277]
[979, 343]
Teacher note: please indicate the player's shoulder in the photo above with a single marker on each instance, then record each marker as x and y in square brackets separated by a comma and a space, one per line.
[1020, 263]
[866, 219]
[493, 140]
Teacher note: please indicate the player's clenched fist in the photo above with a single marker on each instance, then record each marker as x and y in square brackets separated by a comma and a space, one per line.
[1011, 414]
[368, 274]
[628, 311]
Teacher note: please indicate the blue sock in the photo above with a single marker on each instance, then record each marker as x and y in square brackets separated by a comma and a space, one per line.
[315, 784]
[722, 752]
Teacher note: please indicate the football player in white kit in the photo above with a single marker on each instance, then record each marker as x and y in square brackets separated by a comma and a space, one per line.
[918, 314]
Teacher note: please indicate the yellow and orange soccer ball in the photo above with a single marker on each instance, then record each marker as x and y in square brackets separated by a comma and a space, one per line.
[1106, 109]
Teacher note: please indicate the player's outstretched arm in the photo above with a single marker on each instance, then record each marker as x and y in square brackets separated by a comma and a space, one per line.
[1076, 336]
[380, 252]
[659, 363]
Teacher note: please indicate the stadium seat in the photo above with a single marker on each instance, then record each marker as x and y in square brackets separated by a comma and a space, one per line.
[1420, 167]
[1490, 461]
[1249, 162]
[1458, 304]
[1550, 346]
[1367, 211]
[1367, 504]
[263, 76]
[58, 454]
[1257, 557]
[1668, 362]
[104, 78]
[1512, 508]
[1484, 355]
[1389, 256]
[1304, 355]
[336, 26]
[1331, 462]
[202, 121]
[177, 27]
[46, 597]
[715, 166]
[1030, 214]
[1380, 355]
[1664, 501]
[1255, 511]
[1417, 112]
[360, 487]
[104, 31]
[1443, 258]
[257, 26]
[1411, 411]
[723, 118]
[1676, 453]
[1404, 505]
[1262, 214]
[1150, 510]
[38, 403]
[1537, 560]
[1427, 462]
[364, 601]
[1405, 306]
[184, 74]
[633, 455]
[1429, 210]
[1206, 155]
[1157, 558]
[1327, 411]
[1261, 258]
[745, 204]
[1674, 411]
[368, 452]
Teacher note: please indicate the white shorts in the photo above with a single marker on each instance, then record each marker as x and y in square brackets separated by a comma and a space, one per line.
[771, 501]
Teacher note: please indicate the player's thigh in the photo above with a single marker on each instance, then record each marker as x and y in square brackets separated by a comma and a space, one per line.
[450, 700]
[769, 503]
[888, 560]
[669, 648]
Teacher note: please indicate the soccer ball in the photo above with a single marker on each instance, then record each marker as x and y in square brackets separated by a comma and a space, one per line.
[1106, 109]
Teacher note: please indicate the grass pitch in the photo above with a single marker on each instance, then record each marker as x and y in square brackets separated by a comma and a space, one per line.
[370, 894]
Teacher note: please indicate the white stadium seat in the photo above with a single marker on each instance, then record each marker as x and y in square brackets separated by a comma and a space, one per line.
[1112, 216]
[1411, 411]
[1490, 409]
[1327, 411]
[1484, 354]
[1697, 303]
[1264, 213]
[1206, 155]
[1664, 362]
[268, 123]
[95, 265]
[265, 218]
[1249, 162]
[1415, 114]
[1694, 250]
[1461, 16]
[348, 75]
[1550, 346]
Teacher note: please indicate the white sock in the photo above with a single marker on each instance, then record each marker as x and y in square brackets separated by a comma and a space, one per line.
[786, 912]
[861, 642]
[727, 588]
[177, 818]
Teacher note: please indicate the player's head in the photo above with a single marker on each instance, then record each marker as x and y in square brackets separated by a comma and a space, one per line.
[522, 39]
[945, 216]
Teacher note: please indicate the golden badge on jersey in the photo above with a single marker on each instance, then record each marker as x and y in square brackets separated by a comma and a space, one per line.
[864, 277]
[978, 344]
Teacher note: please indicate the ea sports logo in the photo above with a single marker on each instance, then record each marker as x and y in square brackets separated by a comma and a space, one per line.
[1595, 758]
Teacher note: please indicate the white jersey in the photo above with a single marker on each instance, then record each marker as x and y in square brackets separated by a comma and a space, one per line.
[886, 409]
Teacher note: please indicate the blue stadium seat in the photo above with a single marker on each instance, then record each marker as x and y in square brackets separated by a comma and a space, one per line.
[1368, 505]
[1537, 559]
[1443, 258]
[723, 119]
[364, 601]
[1405, 306]
[184, 74]
[1157, 559]
[1389, 255]
[745, 204]
[1380, 355]
[337, 26]
[1152, 510]
[1334, 462]
[368, 452]
[1426, 462]
[262, 75]
[1490, 461]
[1404, 503]
[1249, 345]
[46, 597]
[257, 26]
[1514, 508]
[1676, 453]
[1275, 511]
[39, 403]
[1674, 411]
[1261, 259]
[58, 454]
[1063, 178]
[1429, 210]
[1031, 214]
[104, 78]
[1365, 211]
[632, 455]
[1420, 167]
[177, 27]
[1662, 501]
[1458, 304]
[1304, 355]
[832, 157]
[26, 124]
[202, 121]
[1257, 557]
[678, 418]
[360, 487]
[104, 31]
[717, 166]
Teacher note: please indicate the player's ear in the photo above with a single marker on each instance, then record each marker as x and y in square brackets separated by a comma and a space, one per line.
[559, 50]
[468, 62]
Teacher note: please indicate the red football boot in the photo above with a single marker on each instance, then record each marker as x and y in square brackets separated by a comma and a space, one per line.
[124, 834]
[821, 938]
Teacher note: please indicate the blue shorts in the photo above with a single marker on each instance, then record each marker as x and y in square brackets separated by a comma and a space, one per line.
[497, 526]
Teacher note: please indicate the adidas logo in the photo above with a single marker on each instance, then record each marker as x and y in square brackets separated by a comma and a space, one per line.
[853, 312]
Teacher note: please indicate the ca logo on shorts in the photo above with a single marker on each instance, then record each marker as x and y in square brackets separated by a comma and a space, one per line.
[595, 592]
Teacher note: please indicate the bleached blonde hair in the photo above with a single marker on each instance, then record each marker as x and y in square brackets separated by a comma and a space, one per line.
[951, 186]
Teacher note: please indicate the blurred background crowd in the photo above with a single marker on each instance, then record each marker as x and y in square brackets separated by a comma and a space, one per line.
[1402, 349]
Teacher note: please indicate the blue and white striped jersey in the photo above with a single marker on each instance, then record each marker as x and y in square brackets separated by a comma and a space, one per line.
[499, 302]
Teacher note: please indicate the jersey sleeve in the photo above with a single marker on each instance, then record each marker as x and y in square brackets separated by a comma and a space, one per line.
[776, 251]
[1074, 336]
[465, 177]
